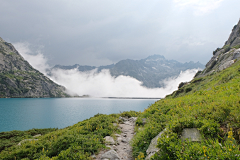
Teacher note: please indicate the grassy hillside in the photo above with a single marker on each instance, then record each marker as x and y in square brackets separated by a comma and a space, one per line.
[211, 104]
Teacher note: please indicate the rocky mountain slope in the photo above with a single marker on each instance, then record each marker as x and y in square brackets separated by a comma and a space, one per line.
[150, 70]
[19, 79]
[225, 56]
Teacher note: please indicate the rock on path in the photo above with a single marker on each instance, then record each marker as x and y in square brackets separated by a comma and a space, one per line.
[122, 149]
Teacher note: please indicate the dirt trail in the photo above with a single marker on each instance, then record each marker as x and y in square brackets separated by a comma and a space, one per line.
[122, 143]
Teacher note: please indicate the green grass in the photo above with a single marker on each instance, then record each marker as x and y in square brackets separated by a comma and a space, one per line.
[8, 139]
[79, 141]
[212, 105]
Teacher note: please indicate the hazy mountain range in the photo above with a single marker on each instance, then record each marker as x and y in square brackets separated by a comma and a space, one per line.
[151, 70]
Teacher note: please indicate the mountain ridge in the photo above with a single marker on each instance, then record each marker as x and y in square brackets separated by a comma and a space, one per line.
[151, 70]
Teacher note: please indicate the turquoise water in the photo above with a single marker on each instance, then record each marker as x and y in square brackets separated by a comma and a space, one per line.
[28, 113]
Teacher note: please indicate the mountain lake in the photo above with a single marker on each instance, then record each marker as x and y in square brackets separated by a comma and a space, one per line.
[27, 113]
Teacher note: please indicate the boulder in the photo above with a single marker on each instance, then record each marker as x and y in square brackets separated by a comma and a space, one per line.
[110, 155]
[152, 149]
[117, 135]
[109, 140]
[192, 134]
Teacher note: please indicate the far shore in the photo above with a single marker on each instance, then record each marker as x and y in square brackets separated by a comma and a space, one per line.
[132, 97]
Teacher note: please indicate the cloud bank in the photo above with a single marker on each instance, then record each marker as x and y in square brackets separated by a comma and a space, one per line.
[104, 85]
[100, 84]
[34, 57]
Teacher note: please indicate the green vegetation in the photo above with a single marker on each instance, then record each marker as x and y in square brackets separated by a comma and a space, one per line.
[237, 46]
[8, 139]
[79, 141]
[226, 48]
[12, 53]
[211, 105]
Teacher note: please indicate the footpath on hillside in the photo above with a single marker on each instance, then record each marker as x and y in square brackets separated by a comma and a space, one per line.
[120, 148]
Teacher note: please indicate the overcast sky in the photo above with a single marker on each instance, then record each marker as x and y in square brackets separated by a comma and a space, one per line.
[100, 32]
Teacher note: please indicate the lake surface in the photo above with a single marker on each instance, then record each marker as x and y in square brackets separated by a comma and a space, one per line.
[28, 113]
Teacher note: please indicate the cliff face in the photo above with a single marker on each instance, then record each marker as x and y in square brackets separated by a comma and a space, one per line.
[19, 79]
[234, 38]
[226, 56]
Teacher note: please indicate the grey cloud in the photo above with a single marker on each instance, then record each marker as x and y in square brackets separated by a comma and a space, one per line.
[102, 32]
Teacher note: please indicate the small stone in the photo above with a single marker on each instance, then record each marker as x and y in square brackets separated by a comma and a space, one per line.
[124, 140]
[119, 139]
[93, 156]
[110, 155]
[117, 135]
[109, 140]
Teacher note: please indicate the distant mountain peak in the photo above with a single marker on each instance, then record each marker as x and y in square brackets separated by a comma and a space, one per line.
[155, 56]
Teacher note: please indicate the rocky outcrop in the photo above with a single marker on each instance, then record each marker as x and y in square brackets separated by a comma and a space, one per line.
[19, 79]
[220, 61]
[226, 56]
[234, 38]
